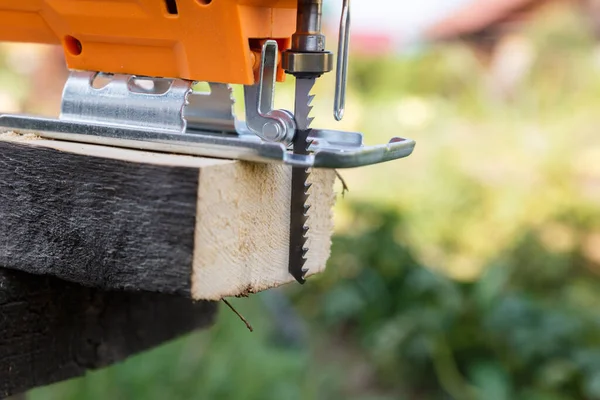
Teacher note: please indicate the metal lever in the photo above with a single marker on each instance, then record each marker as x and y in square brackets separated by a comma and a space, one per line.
[341, 75]
[268, 124]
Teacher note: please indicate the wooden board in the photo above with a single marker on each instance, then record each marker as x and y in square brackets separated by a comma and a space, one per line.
[52, 330]
[124, 219]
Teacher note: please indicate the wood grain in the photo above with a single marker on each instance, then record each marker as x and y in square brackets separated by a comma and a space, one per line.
[52, 330]
[242, 235]
[100, 222]
[124, 219]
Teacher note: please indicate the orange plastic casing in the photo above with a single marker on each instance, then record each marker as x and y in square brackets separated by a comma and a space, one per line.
[202, 40]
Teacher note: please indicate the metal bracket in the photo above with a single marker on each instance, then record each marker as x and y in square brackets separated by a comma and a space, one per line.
[211, 111]
[160, 104]
[267, 123]
[123, 101]
[341, 75]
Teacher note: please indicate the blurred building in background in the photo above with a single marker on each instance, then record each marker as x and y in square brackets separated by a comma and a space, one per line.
[495, 30]
[485, 23]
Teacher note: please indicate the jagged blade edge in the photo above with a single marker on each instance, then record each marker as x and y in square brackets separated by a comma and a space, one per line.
[307, 184]
[304, 120]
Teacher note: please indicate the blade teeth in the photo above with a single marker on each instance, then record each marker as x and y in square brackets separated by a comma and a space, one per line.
[302, 110]
[304, 99]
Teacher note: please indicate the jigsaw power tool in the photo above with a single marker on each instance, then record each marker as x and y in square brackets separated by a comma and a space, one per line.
[134, 65]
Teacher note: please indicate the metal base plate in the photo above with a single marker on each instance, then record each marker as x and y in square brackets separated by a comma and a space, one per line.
[330, 149]
[166, 115]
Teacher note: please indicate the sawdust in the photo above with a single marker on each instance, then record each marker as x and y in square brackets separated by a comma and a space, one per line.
[18, 137]
[249, 290]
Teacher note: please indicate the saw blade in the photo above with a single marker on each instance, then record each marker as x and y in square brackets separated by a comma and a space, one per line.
[299, 194]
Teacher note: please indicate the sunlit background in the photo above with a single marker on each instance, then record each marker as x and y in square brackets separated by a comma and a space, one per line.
[466, 271]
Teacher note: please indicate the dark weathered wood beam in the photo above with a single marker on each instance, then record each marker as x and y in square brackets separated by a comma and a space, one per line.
[52, 330]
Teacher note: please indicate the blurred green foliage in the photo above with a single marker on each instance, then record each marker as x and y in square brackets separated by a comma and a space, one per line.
[467, 271]
[527, 328]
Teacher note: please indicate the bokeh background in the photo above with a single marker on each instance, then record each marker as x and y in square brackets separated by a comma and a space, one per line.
[469, 270]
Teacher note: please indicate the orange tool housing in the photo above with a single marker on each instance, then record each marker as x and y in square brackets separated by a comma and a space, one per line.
[203, 40]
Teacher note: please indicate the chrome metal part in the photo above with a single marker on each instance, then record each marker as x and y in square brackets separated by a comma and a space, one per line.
[328, 149]
[147, 103]
[341, 76]
[299, 193]
[212, 111]
[307, 56]
[308, 35]
[307, 63]
[267, 123]
[122, 101]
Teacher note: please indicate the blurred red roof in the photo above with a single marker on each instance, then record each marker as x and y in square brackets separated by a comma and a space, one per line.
[479, 16]
[370, 43]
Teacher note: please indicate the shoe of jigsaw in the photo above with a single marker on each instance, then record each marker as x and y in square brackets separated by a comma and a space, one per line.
[134, 64]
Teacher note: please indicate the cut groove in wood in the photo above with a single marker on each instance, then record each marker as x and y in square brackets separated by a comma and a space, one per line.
[125, 219]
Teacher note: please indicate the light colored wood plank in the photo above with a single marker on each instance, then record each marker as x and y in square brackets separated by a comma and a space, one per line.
[242, 229]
